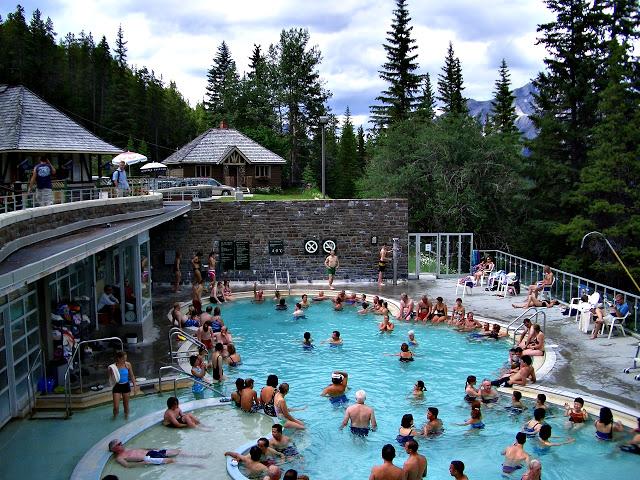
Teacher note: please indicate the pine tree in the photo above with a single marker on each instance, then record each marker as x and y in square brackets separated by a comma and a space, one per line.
[347, 159]
[451, 85]
[399, 99]
[222, 88]
[503, 115]
[362, 152]
[121, 48]
[426, 110]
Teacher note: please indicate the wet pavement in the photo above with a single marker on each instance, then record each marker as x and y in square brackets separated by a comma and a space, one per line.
[586, 367]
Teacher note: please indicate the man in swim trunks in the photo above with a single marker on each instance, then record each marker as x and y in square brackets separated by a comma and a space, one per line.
[386, 471]
[281, 442]
[415, 467]
[525, 372]
[268, 453]
[362, 416]
[336, 391]
[514, 455]
[174, 417]
[334, 340]
[331, 263]
[382, 263]
[487, 393]
[137, 457]
[434, 424]
[456, 470]
[251, 462]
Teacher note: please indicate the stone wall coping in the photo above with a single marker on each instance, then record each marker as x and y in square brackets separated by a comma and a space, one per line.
[11, 218]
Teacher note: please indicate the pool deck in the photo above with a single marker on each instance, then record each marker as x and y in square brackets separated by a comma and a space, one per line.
[582, 367]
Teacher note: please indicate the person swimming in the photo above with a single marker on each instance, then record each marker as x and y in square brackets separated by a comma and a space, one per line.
[307, 342]
[282, 305]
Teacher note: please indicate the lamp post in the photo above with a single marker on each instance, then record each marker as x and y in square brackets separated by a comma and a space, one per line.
[614, 253]
[324, 119]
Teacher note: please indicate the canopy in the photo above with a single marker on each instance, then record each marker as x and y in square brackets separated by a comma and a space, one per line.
[129, 158]
[153, 167]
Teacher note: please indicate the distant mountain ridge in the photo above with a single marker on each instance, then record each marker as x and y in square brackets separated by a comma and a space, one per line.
[524, 103]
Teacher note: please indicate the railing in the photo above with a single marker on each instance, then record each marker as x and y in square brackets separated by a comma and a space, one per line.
[275, 279]
[567, 285]
[174, 332]
[30, 390]
[206, 385]
[67, 381]
[25, 200]
[288, 282]
[276, 283]
[524, 317]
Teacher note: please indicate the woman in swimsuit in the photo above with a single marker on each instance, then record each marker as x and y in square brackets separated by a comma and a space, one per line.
[196, 264]
[532, 427]
[211, 262]
[406, 431]
[405, 354]
[577, 414]
[226, 291]
[120, 382]
[386, 325]
[237, 395]
[439, 311]
[533, 301]
[418, 389]
[457, 314]
[233, 360]
[633, 446]
[475, 421]
[267, 395]
[304, 301]
[535, 347]
[470, 392]
[282, 410]
[605, 426]
[423, 309]
[216, 364]
[198, 371]
[177, 274]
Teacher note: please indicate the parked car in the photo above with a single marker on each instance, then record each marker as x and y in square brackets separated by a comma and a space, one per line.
[218, 188]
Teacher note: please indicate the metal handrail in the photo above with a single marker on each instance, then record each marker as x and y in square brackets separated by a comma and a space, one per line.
[524, 317]
[275, 279]
[67, 382]
[567, 285]
[288, 282]
[30, 390]
[206, 385]
[175, 331]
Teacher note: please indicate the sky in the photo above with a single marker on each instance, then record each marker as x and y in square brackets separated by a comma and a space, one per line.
[178, 39]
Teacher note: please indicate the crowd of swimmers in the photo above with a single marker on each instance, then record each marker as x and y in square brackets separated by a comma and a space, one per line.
[263, 459]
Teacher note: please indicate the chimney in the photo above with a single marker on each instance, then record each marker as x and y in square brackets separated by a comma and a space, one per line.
[223, 124]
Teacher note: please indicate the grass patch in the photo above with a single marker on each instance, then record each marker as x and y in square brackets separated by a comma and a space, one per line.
[287, 194]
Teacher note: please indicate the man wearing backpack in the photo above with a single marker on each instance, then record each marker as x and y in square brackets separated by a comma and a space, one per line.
[119, 180]
[41, 179]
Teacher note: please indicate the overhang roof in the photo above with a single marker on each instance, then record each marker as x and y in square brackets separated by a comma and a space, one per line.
[214, 145]
[29, 124]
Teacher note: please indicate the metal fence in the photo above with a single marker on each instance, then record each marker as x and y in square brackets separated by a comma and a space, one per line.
[567, 285]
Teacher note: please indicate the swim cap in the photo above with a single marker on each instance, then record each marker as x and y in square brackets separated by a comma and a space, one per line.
[336, 376]
[411, 332]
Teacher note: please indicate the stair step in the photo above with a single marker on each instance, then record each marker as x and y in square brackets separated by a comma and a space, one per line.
[49, 414]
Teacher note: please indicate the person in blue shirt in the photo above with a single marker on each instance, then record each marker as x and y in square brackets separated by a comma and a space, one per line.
[119, 179]
[618, 310]
[41, 177]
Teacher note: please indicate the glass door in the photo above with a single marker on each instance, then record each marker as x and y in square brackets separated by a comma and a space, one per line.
[5, 405]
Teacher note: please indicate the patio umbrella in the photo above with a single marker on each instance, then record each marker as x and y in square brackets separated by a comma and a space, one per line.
[154, 167]
[129, 158]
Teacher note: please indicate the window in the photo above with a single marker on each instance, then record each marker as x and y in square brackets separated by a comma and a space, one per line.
[203, 171]
[263, 171]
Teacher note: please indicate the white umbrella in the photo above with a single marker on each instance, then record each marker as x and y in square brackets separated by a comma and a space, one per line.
[129, 158]
[153, 167]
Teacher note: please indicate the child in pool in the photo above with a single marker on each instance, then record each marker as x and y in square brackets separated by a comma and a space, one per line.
[543, 443]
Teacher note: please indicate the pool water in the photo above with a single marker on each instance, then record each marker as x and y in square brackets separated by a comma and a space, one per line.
[270, 342]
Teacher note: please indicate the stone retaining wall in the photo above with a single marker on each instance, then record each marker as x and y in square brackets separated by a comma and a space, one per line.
[350, 223]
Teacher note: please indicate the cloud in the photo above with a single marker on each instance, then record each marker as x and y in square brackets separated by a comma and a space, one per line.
[178, 40]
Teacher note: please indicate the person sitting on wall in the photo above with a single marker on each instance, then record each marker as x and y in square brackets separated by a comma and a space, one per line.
[110, 305]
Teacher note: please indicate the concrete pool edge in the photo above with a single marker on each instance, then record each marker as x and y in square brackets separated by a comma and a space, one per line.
[93, 462]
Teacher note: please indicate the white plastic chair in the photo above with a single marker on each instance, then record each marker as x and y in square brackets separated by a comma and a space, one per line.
[486, 273]
[464, 283]
[546, 291]
[505, 282]
[616, 322]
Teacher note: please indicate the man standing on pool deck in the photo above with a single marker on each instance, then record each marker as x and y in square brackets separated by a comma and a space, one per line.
[386, 471]
[360, 415]
[382, 263]
[331, 263]
[138, 457]
[338, 386]
[415, 467]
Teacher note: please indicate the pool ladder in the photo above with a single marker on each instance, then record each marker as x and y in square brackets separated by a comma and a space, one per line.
[183, 374]
[178, 332]
[275, 279]
[532, 316]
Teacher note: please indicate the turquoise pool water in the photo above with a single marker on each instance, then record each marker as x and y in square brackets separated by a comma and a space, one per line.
[269, 342]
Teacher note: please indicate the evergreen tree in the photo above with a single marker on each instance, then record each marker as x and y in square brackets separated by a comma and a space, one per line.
[451, 85]
[121, 48]
[426, 110]
[399, 99]
[346, 161]
[503, 111]
[222, 88]
[362, 152]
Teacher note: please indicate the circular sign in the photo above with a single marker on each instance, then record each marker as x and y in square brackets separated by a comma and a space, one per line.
[311, 246]
[328, 245]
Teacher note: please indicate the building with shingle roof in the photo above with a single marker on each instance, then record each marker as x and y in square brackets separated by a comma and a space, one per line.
[29, 126]
[228, 156]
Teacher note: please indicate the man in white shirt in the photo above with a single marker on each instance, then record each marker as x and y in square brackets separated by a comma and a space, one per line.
[109, 304]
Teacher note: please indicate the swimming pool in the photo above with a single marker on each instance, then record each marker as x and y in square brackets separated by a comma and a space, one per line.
[269, 342]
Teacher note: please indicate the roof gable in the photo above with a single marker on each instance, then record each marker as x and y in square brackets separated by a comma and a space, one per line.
[217, 144]
[29, 124]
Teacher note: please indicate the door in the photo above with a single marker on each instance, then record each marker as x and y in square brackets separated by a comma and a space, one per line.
[5, 406]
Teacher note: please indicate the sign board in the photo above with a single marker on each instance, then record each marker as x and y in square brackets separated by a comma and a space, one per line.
[427, 247]
[227, 255]
[242, 256]
[276, 247]
[328, 245]
[311, 247]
